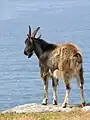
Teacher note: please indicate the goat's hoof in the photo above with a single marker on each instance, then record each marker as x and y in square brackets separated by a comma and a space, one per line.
[83, 104]
[44, 103]
[54, 102]
[64, 105]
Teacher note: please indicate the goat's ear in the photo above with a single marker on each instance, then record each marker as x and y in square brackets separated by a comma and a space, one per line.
[28, 36]
[29, 31]
[39, 36]
[35, 32]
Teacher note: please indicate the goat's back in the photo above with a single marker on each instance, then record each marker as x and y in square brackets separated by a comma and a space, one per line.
[65, 57]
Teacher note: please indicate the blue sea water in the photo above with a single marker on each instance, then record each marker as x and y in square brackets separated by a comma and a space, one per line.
[60, 21]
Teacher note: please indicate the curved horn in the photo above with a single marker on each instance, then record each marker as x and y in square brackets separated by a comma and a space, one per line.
[39, 36]
[29, 31]
[35, 32]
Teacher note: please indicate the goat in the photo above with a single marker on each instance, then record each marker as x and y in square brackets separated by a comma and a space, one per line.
[58, 61]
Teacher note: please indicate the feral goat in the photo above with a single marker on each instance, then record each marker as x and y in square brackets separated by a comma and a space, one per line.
[62, 61]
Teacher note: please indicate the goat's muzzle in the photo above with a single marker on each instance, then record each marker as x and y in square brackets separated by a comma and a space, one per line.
[30, 54]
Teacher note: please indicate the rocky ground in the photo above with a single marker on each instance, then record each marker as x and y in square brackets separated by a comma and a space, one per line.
[37, 108]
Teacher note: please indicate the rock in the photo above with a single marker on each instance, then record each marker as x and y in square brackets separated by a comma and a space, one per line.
[86, 108]
[35, 108]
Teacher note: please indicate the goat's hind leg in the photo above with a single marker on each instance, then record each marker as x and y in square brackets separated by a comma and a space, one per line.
[45, 100]
[67, 84]
[80, 82]
[54, 85]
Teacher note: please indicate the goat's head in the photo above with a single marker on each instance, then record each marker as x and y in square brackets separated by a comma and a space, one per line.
[29, 43]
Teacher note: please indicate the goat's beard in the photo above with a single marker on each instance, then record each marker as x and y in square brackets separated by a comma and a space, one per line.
[30, 54]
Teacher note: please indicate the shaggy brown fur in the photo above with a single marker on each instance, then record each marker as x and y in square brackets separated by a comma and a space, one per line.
[66, 58]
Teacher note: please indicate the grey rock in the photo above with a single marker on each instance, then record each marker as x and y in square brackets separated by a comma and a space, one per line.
[37, 108]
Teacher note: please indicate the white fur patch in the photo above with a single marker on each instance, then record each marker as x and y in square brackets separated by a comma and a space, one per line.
[57, 74]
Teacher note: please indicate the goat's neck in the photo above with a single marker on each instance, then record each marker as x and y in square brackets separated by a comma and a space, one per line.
[41, 46]
[37, 49]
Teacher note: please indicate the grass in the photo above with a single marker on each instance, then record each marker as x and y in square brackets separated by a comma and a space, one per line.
[74, 115]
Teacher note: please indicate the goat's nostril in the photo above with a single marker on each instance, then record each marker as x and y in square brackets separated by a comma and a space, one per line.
[25, 52]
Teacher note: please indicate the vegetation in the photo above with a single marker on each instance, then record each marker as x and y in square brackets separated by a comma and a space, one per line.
[74, 115]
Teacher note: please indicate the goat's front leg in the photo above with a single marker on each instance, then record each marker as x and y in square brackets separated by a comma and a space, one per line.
[45, 100]
[54, 85]
[67, 84]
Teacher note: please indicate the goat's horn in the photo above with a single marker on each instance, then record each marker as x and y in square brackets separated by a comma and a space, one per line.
[29, 30]
[35, 32]
[39, 36]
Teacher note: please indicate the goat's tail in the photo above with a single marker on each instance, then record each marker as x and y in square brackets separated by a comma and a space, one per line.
[76, 61]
